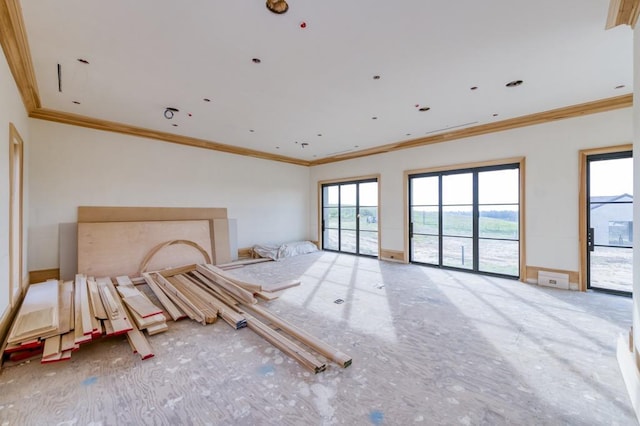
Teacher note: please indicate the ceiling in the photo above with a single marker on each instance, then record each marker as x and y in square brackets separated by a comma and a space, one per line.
[315, 93]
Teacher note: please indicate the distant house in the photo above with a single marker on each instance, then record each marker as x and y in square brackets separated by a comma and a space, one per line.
[612, 219]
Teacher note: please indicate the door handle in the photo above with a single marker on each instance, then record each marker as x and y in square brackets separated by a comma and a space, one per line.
[410, 229]
[590, 239]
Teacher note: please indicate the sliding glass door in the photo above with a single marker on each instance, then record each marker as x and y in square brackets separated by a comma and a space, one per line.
[467, 219]
[350, 217]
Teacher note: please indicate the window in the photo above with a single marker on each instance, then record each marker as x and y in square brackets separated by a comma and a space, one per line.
[467, 219]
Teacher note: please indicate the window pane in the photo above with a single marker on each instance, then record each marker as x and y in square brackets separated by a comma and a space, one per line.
[330, 217]
[611, 177]
[498, 222]
[499, 257]
[457, 189]
[457, 252]
[348, 241]
[457, 221]
[330, 195]
[348, 195]
[368, 218]
[368, 243]
[348, 218]
[612, 223]
[424, 249]
[498, 187]
[330, 239]
[368, 194]
[612, 268]
[424, 191]
[425, 220]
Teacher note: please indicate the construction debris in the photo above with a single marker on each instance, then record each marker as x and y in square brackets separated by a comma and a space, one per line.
[57, 317]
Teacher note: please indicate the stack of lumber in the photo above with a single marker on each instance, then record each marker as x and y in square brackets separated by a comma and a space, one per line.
[56, 317]
[205, 292]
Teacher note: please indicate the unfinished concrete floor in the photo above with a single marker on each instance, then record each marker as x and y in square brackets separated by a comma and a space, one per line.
[429, 347]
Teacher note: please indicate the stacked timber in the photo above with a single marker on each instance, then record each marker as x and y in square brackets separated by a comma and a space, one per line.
[56, 317]
[205, 292]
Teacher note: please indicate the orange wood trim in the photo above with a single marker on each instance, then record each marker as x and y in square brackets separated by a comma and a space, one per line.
[392, 255]
[111, 126]
[341, 180]
[16, 239]
[582, 206]
[13, 38]
[44, 275]
[145, 214]
[623, 12]
[579, 110]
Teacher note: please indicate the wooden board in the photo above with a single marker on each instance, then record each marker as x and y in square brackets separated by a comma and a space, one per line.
[38, 315]
[118, 248]
[147, 214]
[68, 250]
[221, 241]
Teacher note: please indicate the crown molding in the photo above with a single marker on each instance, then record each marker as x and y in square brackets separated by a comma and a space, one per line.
[623, 12]
[13, 38]
[579, 110]
[14, 42]
[111, 126]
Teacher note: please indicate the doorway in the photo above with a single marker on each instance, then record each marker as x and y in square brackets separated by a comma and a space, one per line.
[609, 213]
[350, 217]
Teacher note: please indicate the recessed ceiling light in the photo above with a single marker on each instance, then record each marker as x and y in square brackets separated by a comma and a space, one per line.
[174, 125]
[619, 86]
[206, 100]
[356, 146]
[83, 61]
[376, 77]
[319, 134]
[251, 130]
[514, 83]
[408, 134]
[474, 88]
[277, 147]
[495, 114]
[76, 102]
[256, 60]
[424, 109]
[374, 118]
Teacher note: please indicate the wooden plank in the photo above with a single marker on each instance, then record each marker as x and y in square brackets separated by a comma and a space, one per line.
[196, 298]
[43, 275]
[243, 262]
[81, 287]
[225, 312]
[281, 285]
[118, 248]
[238, 292]
[68, 250]
[319, 346]
[185, 304]
[67, 342]
[287, 346]
[221, 241]
[164, 300]
[141, 305]
[146, 214]
[159, 328]
[38, 314]
[96, 301]
[113, 306]
[219, 291]
[51, 346]
[138, 342]
[252, 287]
[267, 295]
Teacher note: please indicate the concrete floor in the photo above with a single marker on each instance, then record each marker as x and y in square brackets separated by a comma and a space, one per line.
[429, 347]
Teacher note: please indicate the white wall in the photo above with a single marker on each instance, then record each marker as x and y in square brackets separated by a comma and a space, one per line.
[636, 186]
[73, 166]
[552, 178]
[11, 111]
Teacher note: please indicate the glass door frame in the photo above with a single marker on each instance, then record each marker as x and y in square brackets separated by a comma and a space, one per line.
[461, 168]
[610, 153]
[347, 181]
